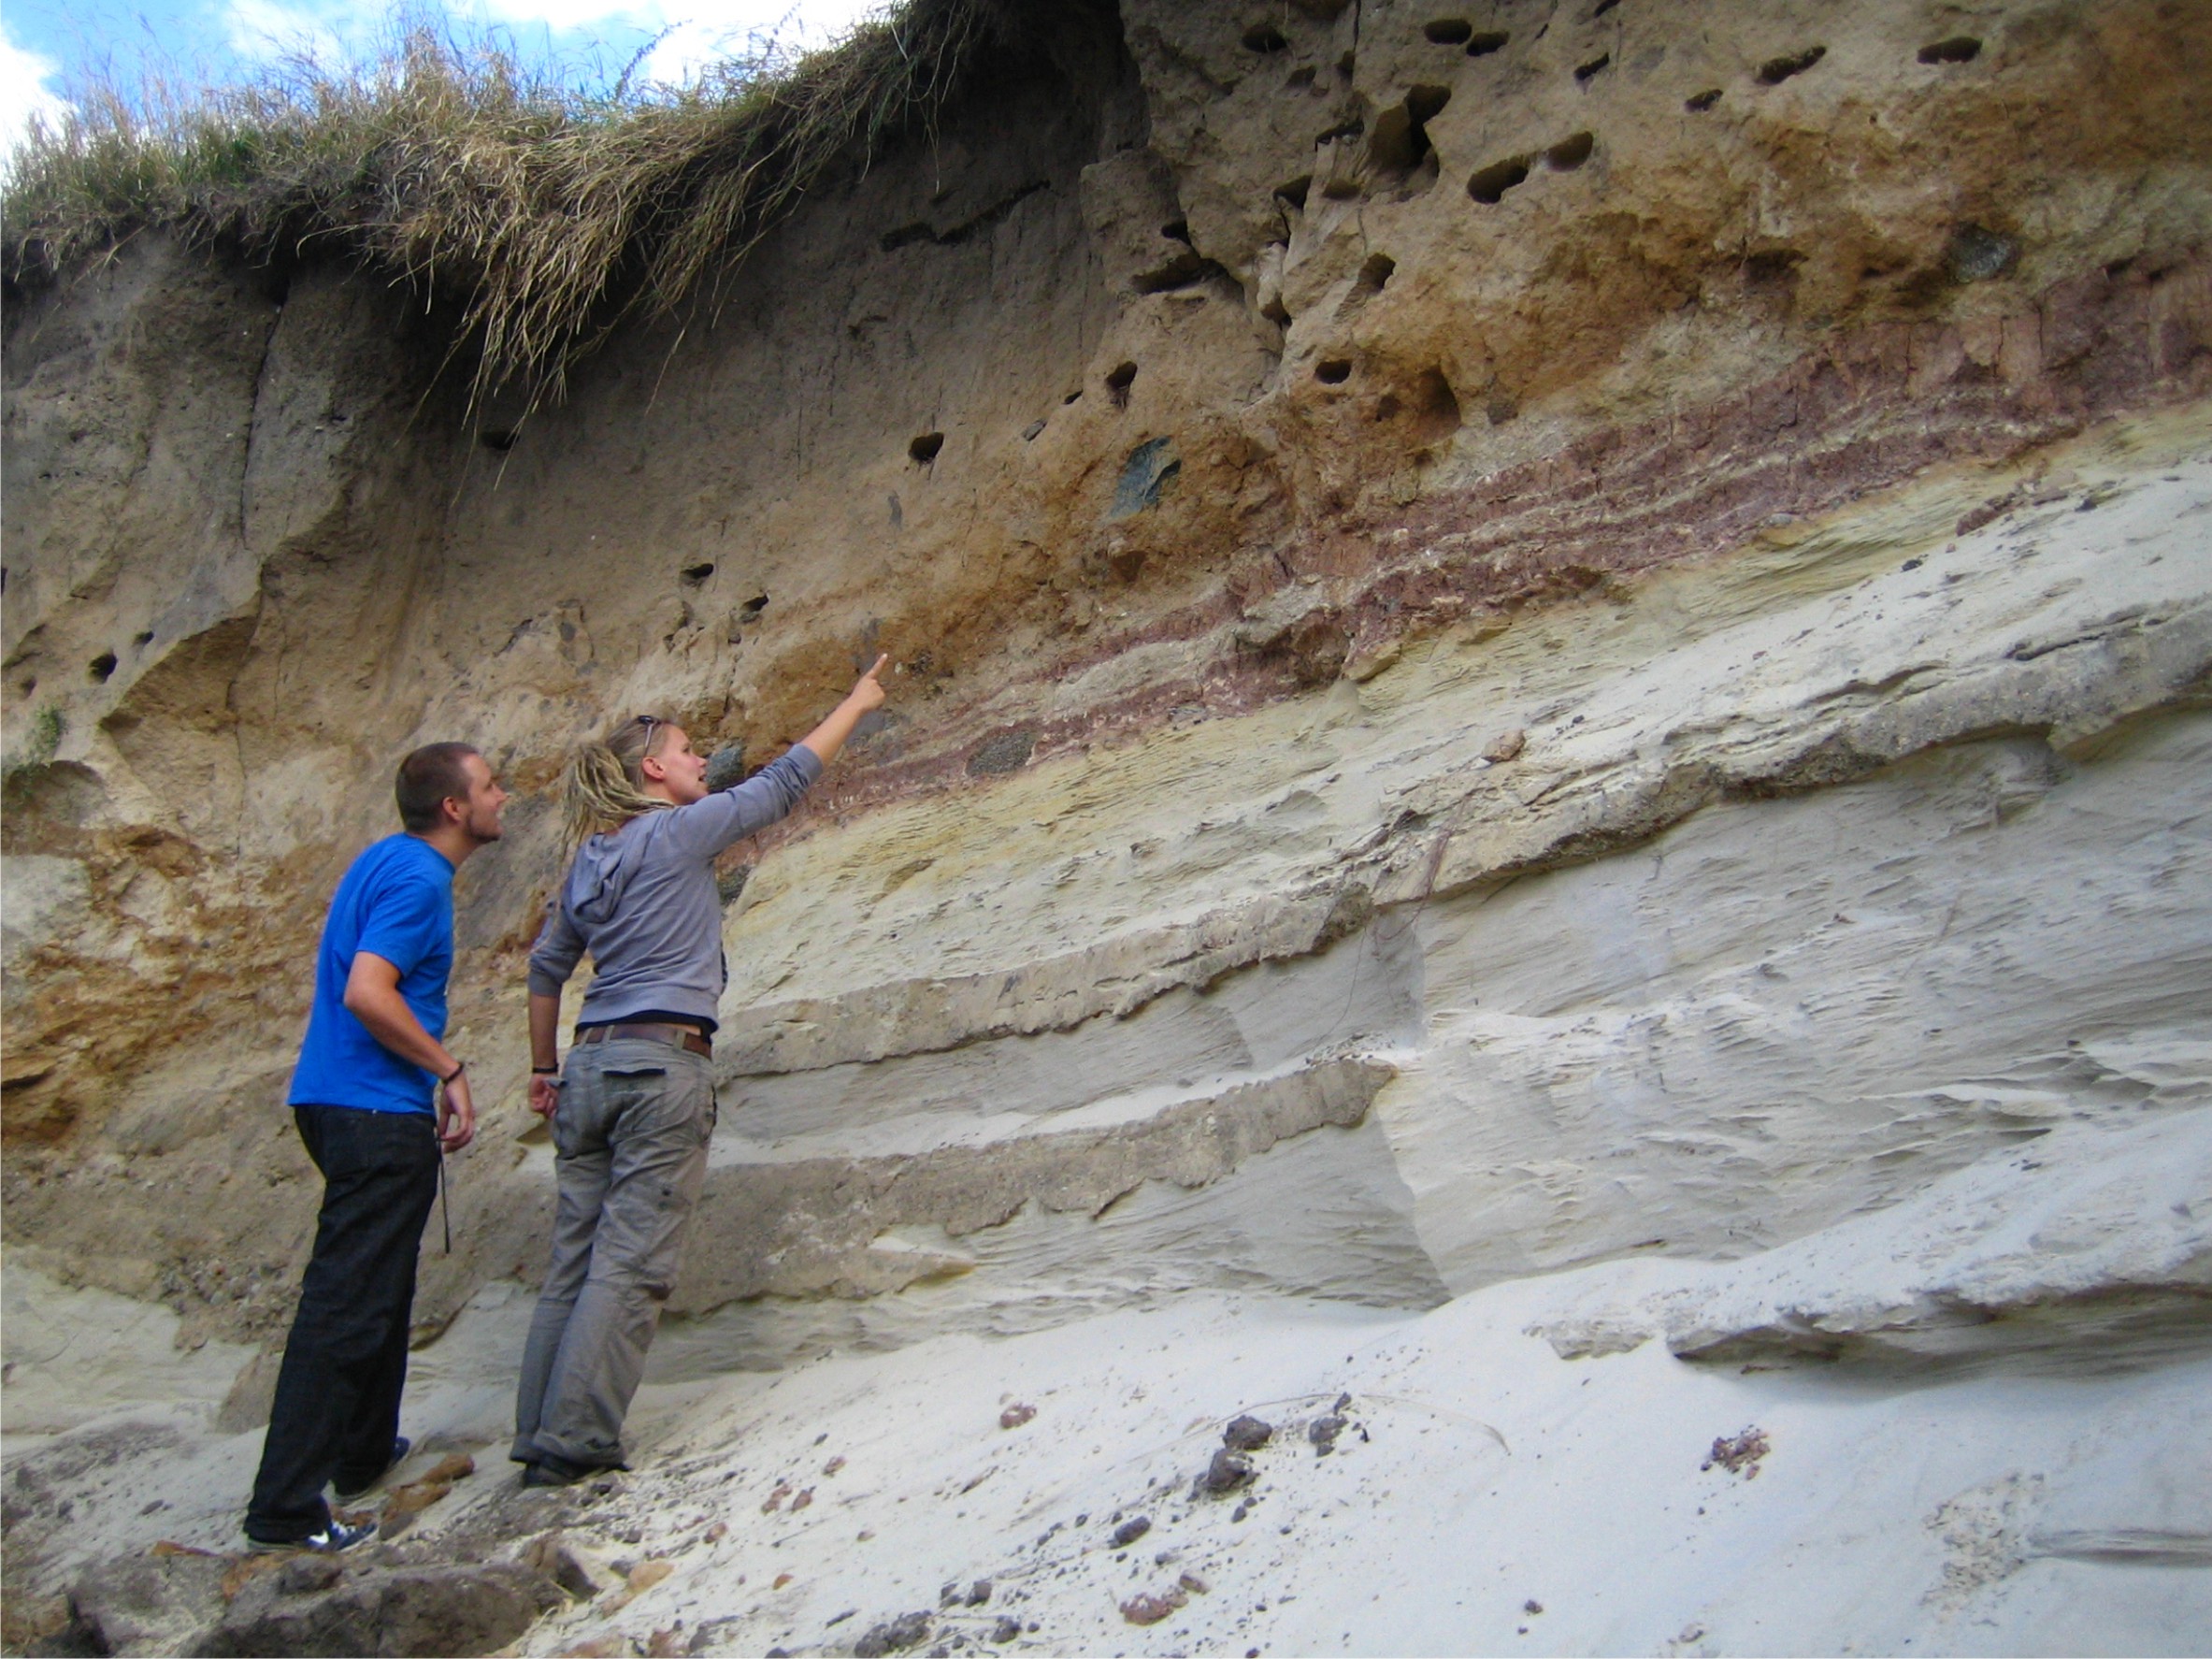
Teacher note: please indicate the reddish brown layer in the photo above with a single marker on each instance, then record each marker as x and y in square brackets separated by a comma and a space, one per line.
[1866, 410]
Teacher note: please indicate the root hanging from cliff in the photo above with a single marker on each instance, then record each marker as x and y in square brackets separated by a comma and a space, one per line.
[546, 214]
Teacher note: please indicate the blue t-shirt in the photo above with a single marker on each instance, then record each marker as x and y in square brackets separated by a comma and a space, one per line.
[397, 902]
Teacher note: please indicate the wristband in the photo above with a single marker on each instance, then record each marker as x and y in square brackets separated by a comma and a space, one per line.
[459, 1066]
[545, 1071]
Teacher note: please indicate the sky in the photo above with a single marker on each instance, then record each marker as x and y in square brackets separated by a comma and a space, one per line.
[45, 44]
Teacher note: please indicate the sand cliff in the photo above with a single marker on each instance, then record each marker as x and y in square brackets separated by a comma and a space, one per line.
[1530, 640]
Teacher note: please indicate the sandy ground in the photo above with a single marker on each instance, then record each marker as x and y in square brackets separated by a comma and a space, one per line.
[1482, 1494]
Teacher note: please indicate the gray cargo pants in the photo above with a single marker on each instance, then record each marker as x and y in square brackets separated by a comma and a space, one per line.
[631, 1133]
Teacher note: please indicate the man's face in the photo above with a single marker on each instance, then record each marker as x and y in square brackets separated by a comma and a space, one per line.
[481, 807]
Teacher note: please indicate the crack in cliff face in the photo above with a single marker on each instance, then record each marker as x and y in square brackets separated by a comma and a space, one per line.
[968, 229]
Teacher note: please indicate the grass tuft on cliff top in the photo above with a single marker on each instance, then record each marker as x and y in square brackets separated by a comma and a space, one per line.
[548, 214]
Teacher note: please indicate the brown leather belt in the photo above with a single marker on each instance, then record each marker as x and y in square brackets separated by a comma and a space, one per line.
[680, 1036]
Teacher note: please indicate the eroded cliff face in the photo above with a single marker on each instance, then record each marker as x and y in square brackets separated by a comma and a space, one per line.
[1525, 633]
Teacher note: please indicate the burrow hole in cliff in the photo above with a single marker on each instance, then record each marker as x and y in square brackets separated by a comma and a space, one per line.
[1401, 141]
[1489, 185]
[1448, 31]
[1698, 102]
[1432, 403]
[1570, 152]
[1959, 49]
[1775, 71]
[1375, 272]
[1264, 38]
[696, 575]
[101, 666]
[1300, 77]
[1118, 381]
[1295, 192]
[143, 639]
[924, 449]
[1483, 42]
[499, 439]
[1333, 371]
[1602, 8]
[1586, 73]
[1776, 269]
[754, 606]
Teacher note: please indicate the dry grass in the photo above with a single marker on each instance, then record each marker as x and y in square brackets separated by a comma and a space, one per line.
[548, 215]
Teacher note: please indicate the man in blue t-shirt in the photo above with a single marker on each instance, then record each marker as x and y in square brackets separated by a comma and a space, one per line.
[362, 1096]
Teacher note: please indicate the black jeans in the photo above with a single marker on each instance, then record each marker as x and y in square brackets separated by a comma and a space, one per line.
[337, 1392]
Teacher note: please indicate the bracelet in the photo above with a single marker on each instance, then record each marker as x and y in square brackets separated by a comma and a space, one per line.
[545, 1071]
[459, 1066]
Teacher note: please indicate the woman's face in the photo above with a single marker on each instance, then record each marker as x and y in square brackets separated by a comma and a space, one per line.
[673, 764]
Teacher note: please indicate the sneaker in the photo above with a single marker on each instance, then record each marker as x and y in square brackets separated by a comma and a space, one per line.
[335, 1536]
[546, 1469]
[347, 1491]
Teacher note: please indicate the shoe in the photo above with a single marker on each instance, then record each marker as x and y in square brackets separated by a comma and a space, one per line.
[401, 1446]
[335, 1536]
[548, 1470]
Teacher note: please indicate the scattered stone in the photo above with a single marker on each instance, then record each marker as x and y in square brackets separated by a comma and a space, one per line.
[802, 1500]
[1016, 1415]
[1195, 1584]
[978, 1593]
[1242, 1510]
[1739, 1454]
[1008, 752]
[893, 1635]
[304, 1575]
[1129, 1530]
[848, 1613]
[726, 765]
[578, 1574]
[774, 1501]
[1977, 254]
[646, 1574]
[1006, 1630]
[1323, 1432]
[130, 1605]
[833, 1466]
[664, 1644]
[1226, 1472]
[1247, 1434]
[1531, 1606]
[781, 1580]
[425, 1611]
[404, 1502]
[715, 1534]
[1505, 746]
[1151, 1610]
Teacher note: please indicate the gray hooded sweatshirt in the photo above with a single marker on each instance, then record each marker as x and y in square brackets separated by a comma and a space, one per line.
[642, 901]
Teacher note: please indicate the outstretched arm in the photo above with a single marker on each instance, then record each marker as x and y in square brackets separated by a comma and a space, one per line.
[866, 697]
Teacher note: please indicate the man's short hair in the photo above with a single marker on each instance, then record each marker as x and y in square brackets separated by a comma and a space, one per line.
[426, 779]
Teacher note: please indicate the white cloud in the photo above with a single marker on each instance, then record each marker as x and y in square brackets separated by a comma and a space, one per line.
[259, 29]
[24, 93]
[696, 33]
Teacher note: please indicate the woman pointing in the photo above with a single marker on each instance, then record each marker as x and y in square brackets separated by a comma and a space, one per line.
[634, 1108]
